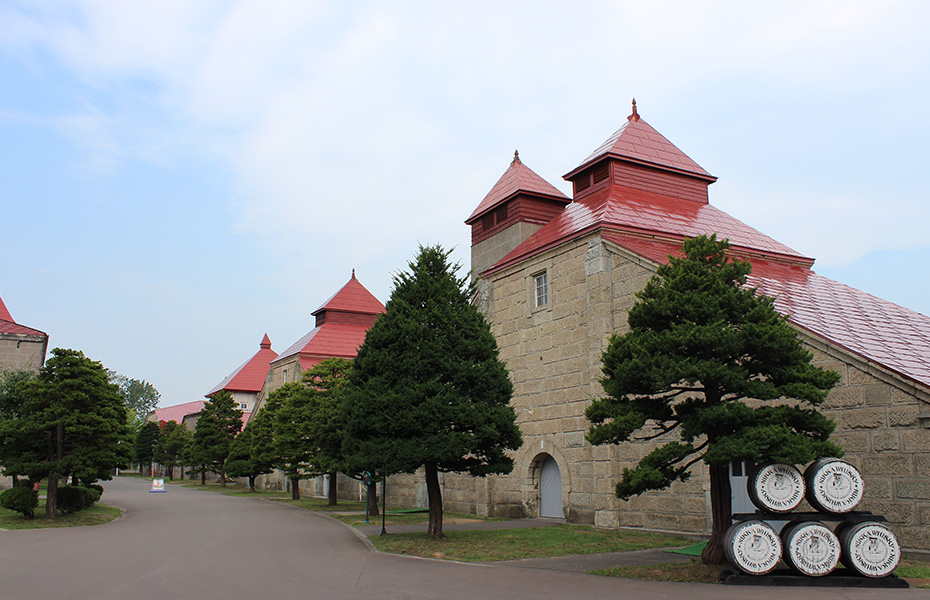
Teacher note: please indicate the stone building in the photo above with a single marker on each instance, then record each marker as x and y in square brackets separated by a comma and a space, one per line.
[245, 383]
[557, 277]
[21, 347]
[339, 329]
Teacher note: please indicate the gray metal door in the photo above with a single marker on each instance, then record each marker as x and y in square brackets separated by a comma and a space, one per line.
[550, 490]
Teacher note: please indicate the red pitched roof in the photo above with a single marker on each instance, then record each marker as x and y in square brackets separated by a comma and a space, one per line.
[342, 322]
[516, 179]
[177, 412]
[250, 376]
[354, 298]
[648, 213]
[5, 313]
[638, 142]
[874, 329]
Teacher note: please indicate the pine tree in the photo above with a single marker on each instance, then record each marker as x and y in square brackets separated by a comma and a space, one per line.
[427, 388]
[170, 448]
[324, 388]
[220, 421]
[702, 359]
[72, 422]
[241, 461]
[292, 443]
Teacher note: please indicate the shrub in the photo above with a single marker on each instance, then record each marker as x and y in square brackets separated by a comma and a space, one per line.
[23, 500]
[73, 498]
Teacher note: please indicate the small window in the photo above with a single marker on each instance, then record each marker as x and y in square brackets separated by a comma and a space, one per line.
[285, 375]
[244, 406]
[601, 173]
[487, 221]
[542, 289]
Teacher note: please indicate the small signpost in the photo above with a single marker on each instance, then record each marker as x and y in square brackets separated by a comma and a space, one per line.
[158, 485]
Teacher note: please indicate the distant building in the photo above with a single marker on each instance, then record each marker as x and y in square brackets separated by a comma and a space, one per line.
[246, 382]
[185, 414]
[340, 328]
[21, 347]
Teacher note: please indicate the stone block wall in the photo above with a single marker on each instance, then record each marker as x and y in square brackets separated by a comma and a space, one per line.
[22, 351]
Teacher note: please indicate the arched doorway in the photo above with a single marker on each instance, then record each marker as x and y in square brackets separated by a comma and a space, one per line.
[550, 490]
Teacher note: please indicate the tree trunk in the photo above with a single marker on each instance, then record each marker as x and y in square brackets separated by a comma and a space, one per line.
[171, 473]
[373, 510]
[203, 474]
[252, 483]
[721, 514]
[223, 476]
[295, 488]
[332, 491]
[51, 495]
[434, 500]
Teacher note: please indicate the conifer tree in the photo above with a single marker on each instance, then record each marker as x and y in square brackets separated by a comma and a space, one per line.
[145, 444]
[220, 421]
[241, 461]
[703, 359]
[170, 448]
[72, 422]
[324, 388]
[427, 388]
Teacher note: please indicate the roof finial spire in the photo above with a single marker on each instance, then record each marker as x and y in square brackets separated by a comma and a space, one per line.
[353, 273]
[635, 115]
[516, 157]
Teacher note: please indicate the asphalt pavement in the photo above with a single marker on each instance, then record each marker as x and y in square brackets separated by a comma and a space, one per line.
[190, 544]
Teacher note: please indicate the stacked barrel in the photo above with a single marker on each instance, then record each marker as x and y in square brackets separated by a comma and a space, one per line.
[808, 546]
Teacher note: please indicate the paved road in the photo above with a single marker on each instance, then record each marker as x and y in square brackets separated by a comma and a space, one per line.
[201, 545]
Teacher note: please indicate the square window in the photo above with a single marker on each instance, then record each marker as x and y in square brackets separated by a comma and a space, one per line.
[542, 289]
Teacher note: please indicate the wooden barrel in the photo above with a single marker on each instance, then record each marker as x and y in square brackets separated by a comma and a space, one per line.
[776, 487]
[869, 548]
[752, 547]
[810, 548]
[833, 485]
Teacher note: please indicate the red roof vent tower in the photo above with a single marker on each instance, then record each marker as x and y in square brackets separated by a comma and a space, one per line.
[516, 207]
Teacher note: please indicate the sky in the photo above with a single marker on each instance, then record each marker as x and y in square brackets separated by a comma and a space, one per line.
[178, 178]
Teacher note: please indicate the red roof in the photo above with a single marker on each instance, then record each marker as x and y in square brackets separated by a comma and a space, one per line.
[516, 179]
[874, 329]
[648, 213]
[638, 142]
[177, 412]
[250, 376]
[5, 313]
[653, 225]
[354, 298]
[342, 322]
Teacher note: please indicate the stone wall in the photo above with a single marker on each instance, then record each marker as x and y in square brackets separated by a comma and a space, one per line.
[22, 351]
[554, 356]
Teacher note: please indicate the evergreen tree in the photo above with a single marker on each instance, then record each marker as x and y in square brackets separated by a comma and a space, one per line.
[292, 443]
[72, 422]
[241, 462]
[170, 449]
[700, 345]
[146, 442]
[427, 388]
[13, 384]
[220, 421]
[324, 388]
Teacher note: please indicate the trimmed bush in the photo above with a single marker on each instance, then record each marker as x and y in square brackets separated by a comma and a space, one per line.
[23, 500]
[73, 498]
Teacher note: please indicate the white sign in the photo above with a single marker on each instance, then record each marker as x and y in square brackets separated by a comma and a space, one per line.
[158, 485]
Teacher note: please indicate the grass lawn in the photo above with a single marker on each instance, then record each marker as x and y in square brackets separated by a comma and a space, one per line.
[691, 572]
[510, 544]
[95, 515]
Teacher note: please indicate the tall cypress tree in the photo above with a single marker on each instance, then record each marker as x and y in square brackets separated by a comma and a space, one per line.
[427, 388]
[700, 346]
